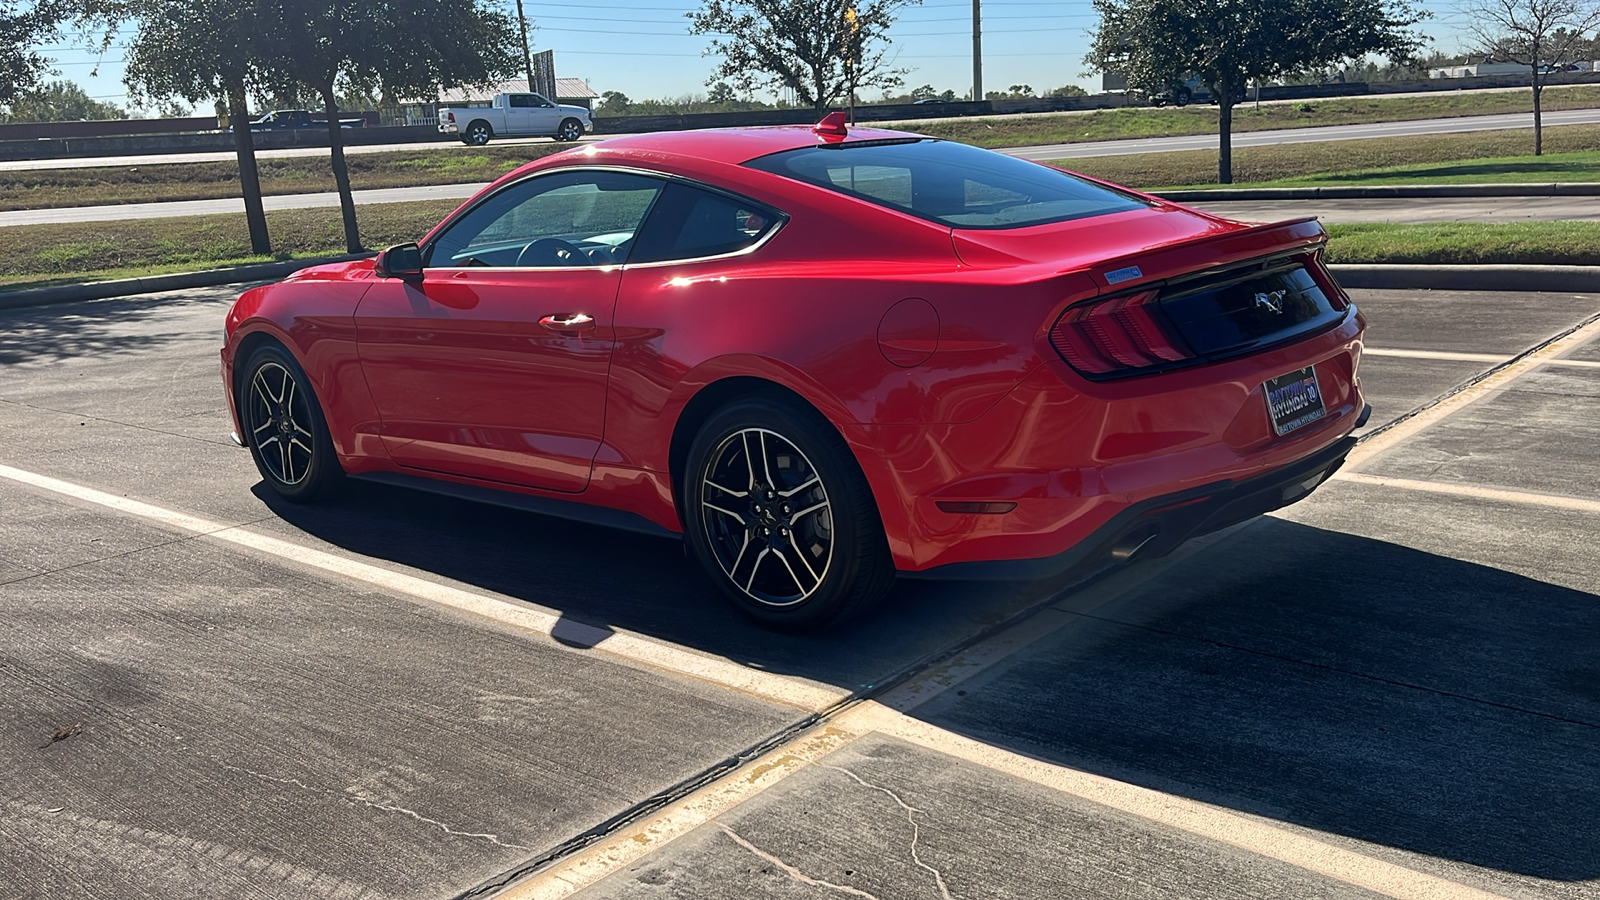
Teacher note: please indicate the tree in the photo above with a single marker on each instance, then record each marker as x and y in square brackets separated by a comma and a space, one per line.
[402, 48]
[1534, 33]
[62, 101]
[820, 49]
[24, 25]
[1229, 43]
[196, 50]
[721, 92]
[613, 103]
[1066, 91]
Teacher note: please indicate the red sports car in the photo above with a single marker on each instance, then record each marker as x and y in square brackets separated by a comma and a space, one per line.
[824, 356]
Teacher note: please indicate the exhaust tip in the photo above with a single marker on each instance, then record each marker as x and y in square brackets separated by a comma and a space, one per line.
[1129, 545]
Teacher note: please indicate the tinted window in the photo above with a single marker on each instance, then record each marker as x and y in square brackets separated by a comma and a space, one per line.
[565, 219]
[522, 101]
[690, 223]
[955, 184]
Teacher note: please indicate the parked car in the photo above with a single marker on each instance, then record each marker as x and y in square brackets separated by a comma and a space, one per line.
[515, 115]
[295, 119]
[820, 356]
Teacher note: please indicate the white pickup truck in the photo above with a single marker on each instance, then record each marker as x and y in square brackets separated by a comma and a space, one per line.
[515, 115]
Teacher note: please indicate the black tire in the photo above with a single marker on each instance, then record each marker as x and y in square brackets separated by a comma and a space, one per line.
[285, 429]
[569, 130]
[478, 133]
[798, 491]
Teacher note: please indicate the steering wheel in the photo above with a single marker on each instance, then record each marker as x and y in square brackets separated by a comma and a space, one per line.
[551, 252]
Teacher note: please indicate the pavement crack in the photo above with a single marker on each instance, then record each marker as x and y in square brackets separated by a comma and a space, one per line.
[911, 816]
[351, 796]
[491, 838]
[791, 871]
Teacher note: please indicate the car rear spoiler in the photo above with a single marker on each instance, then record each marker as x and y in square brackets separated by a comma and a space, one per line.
[1189, 256]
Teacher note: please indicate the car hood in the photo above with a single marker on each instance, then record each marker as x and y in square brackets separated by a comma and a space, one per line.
[575, 110]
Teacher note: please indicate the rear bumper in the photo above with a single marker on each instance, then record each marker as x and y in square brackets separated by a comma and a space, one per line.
[1159, 525]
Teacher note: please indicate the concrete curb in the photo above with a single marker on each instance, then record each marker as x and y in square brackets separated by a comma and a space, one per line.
[1388, 192]
[1562, 279]
[1559, 279]
[127, 287]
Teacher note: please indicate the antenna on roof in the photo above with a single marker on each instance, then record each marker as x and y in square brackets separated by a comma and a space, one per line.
[832, 125]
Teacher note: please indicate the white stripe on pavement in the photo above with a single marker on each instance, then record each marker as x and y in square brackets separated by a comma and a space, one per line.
[1436, 354]
[889, 717]
[1383, 441]
[1478, 492]
[622, 645]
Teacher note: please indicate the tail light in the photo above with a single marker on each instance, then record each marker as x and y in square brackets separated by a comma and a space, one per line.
[1118, 335]
[451, 117]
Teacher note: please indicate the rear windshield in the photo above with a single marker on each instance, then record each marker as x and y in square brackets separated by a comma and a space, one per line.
[955, 184]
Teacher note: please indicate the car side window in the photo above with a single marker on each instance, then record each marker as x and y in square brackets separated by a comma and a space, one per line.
[522, 101]
[572, 218]
[692, 223]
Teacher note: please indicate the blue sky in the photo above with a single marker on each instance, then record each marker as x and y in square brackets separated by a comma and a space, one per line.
[642, 47]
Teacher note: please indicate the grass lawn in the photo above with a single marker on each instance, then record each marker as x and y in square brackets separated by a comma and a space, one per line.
[1111, 124]
[1572, 154]
[44, 255]
[38, 255]
[1468, 243]
[450, 164]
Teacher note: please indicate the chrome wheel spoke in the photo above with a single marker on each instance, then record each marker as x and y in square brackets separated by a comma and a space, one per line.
[792, 491]
[729, 491]
[808, 510]
[727, 512]
[749, 463]
[798, 587]
[800, 554]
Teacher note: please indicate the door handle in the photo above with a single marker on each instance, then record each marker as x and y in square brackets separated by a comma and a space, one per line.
[568, 322]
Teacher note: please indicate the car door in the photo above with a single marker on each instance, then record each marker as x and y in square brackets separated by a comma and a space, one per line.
[545, 117]
[520, 113]
[494, 365]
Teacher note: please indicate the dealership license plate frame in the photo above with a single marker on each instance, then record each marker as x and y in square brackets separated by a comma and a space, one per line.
[1284, 415]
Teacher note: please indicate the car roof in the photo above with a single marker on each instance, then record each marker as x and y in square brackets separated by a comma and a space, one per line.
[735, 146]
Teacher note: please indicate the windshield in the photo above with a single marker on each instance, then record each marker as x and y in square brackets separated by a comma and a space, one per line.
[955, 184]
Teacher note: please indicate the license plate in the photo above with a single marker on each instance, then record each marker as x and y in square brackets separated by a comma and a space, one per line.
[1294, 400]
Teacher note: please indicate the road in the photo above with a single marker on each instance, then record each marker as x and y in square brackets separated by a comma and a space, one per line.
[1044, 152]
[1460, 125]
[1502, 209]
[1389, 689]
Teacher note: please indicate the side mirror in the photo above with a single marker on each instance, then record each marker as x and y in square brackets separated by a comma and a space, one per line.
[402, 261]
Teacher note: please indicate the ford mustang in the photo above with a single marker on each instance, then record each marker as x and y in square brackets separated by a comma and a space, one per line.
[823, 356]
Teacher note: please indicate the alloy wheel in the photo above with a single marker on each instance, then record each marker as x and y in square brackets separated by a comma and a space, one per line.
[570, 131]
[280, 423]
[768, 519]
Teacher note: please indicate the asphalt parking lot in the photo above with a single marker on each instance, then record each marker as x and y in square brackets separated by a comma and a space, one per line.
[1389, 689]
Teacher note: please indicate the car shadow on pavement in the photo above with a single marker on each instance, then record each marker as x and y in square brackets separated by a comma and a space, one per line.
[1359, 688]
[1395, 699]
[602, 577]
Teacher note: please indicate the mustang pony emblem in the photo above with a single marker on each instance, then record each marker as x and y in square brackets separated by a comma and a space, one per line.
[1272, 302]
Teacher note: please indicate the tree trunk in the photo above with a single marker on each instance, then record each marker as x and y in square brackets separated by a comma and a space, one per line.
[244, 146]
[1538, 115]
[1225, 134]
[341, 172]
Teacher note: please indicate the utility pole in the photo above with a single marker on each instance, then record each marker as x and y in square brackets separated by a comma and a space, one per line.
[527, 54]
[977, 51]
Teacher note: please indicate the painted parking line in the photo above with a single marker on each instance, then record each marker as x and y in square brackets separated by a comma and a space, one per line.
[625, 646]
[890, 717]
[1526, 498]
[1436, 354]
[1497, 379]
[1451, 356]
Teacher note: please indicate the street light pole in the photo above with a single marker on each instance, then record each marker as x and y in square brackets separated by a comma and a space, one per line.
[977, 51]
